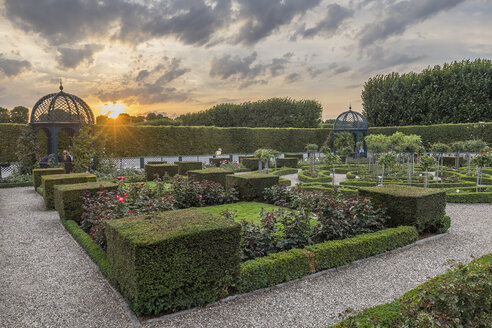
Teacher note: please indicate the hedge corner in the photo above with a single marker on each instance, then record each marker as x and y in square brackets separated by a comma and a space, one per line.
[251, 185]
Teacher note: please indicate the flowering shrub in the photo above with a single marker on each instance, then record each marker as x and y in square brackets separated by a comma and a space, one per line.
[190, 193]
[234, 165]
[344, 218]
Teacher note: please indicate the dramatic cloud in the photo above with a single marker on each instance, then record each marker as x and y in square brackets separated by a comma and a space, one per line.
[245, 69]
[400, 15]
[261, 18]
[73, 57]
[335, 15]
[379, 58]
[293, 77]
[151, 86]
[12, 67]
[314, 71]
[336, 69]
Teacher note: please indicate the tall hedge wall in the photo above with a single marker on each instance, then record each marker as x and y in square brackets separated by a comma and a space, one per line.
[184, 140]
[8, 140]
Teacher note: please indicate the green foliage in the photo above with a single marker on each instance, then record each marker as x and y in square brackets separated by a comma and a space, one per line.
[251, 185]
[251, 163]
[322, 176]
[344, 143]
[184, 167]
[4, 115]
[410, 206]
[27, 151]
[38, 173]
[19, 115]
[9, 134]
[264, 154]
[440, 148]
[453, 93]
[48, 182]
[287, 162]
[426, 162]
[83, 151]
[469, 197]
[68, 198]
[153, 171]
[274, 112]
[214, 175]
[173, 260]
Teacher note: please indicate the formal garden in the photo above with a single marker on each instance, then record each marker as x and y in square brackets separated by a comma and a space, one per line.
[175, 234]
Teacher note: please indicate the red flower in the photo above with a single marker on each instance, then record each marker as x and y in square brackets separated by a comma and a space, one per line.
[121, 178]
[200, 196]
[142, 183]
[131, 213]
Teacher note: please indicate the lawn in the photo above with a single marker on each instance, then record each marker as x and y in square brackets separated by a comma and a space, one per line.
[245, 210]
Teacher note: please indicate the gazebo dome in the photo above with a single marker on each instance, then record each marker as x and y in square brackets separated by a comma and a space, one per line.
[62, 108]
[350, 121]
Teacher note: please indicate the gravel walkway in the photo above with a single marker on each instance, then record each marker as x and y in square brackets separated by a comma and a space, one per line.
[46, 279]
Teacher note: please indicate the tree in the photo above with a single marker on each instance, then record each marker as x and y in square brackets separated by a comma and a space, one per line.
[4, 115]
[457, 147]
[344, 144]
[311, 149]
[331, 160]
[426, 162]
[388, 161]
[83, 151]
[264, 155]
[102, 119]
[439, 149]
[410, 146]
[480, 161]
[377, 144]
[27, 150]
[473, 146]
[19, 114]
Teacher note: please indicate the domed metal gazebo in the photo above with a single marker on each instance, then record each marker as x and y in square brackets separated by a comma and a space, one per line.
[60, 111]
[354, 123]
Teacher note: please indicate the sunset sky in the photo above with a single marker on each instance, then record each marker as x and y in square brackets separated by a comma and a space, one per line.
[181, 56]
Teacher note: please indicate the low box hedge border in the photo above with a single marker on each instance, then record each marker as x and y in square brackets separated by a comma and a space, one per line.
[283, 171]
[217, 175]
[287, 162]
[38, 173]
[185, 166]
[281, 267]
[469, 197]
[160, 171]
[251, 185]
[323, 176]
[50, 181]
[16, 184]
[386, 314]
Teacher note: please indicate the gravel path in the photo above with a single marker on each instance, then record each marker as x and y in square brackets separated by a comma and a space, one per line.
[46, 279]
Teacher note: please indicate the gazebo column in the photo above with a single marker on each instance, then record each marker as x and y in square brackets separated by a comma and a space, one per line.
[357, 139]
[54, 144]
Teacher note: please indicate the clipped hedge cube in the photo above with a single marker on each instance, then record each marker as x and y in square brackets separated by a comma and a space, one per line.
[251, 163]
[50, 181]
[215, 161]
[287, 162]
[410, 206]
[240, 158]
[68, 198]
[251, 185]
[160, 170]
[184, 167]
[173, 260]
[214, 175]
[156, 162]
[38, 173]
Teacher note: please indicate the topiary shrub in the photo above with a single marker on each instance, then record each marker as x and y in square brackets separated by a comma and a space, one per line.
[184, 167]
[153, 171]
[419, 207]
[287, 162]
[214, 175]
[38, 173]
[251, 185]
[323, 177]
[173, 260]
[251, 163]
[68, 198]
[50, 181]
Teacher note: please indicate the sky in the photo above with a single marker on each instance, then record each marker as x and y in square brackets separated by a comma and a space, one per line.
[179, 56]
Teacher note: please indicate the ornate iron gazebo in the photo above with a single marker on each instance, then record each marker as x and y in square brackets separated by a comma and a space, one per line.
[60, 111]
[354, 123]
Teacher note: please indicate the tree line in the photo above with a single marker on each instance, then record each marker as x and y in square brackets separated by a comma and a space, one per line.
[459, 92]
[274, 112]
[18, 114]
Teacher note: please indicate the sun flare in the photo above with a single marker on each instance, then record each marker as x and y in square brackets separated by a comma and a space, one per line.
[112, 110]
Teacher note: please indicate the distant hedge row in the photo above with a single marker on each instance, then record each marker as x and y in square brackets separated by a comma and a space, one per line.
[458, 92]
[129, 141]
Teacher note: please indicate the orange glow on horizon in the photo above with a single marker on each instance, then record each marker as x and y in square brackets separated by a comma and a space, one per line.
[112, 110]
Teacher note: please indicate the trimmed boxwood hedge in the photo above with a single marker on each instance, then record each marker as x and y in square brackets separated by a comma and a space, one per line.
[384, 315]
[160, 170]
[323, 176]
[16, 184]
[185, 166]
[38, 173]
[50, 181]
[469, 197]
[283, 171]
[68, 198]
[173, 260]
[251, 163]
[214, 175]
[431, 185]
[299, 157]
[411, 206]
[251, 185]
[156, 162]
[284, 266]
[287, 162]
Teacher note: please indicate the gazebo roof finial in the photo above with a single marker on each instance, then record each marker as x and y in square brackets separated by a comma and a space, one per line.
[61, 86]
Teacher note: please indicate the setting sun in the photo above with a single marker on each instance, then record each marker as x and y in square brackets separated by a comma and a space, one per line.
[112, 110]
